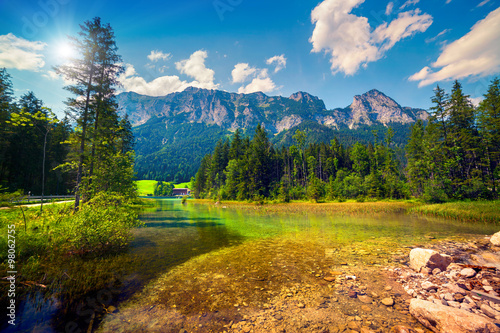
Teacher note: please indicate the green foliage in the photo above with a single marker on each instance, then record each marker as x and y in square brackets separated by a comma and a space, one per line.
[102, 224]
[455, 156]
[314, 172]
[163, 189]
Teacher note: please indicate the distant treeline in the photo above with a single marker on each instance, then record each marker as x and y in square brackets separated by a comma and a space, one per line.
[455, 155]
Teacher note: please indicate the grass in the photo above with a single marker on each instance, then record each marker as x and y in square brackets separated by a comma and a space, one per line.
[470, 211]
[145, 187]
[182, 185]
[348, 207]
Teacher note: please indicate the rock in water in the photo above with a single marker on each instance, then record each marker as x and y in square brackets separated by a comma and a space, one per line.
[440, 318]
[402, 329]
[495, 239]
[420, 258]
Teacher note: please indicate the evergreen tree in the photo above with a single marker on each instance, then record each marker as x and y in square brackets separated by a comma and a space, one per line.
[489, 124]
[94, 76]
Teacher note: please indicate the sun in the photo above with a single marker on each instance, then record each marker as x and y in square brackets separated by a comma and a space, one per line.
[65, 50]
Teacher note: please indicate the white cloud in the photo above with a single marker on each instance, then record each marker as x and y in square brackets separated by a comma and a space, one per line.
[475, 54]
[405, 25]
[155, 56]
[263, 84]
[241, 72]
[482, 3]
[261, 81]
[279, 60]
[433, 39]
[409, 3]
[51, 75]
[448, 1]
[161, 86]
[20, 53]
[388, 9]
[350, 40]
[164, 85]
[195, 68]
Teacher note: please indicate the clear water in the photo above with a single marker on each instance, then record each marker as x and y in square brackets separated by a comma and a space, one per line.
[177, 234]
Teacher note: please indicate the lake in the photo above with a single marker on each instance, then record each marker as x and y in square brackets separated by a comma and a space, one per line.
[203, 264]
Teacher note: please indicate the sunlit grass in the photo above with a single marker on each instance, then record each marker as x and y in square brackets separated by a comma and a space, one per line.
[145, 187]
[347, 207]
[473, 211]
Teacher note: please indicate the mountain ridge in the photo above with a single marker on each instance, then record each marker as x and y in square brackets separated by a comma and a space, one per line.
[175, 131]
[276, 113]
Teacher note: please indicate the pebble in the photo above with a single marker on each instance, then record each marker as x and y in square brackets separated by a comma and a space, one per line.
[352, 294]
[365, 299]
[388, 301]
[468, 272]
[301, 305]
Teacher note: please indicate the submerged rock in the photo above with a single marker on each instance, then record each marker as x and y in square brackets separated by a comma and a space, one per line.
[420, 258]
[440, 318]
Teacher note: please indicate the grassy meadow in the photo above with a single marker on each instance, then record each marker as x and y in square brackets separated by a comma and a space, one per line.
[147, 187]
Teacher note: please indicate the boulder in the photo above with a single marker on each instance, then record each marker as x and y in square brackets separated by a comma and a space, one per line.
[495, 239]
[420, 258]
[440, 318]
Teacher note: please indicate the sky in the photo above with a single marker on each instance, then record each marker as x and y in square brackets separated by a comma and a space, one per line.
[333, 49]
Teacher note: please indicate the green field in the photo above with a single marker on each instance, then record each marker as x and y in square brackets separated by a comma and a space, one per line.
[145, 187]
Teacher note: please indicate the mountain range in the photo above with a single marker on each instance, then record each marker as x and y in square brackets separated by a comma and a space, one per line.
[175, 131]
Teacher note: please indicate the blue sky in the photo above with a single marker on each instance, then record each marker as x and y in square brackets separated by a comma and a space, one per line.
[333, 49]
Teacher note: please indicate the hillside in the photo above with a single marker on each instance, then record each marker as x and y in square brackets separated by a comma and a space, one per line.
[174, 132]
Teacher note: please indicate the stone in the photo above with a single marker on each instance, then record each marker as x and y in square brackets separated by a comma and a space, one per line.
[366, 308]
[440, 318]
[459, 297]
[468, 272]
[436, 271]
[365, 329]
[489, 311]
[329, 278]
[402, 329]
[352, 294]
[112, 309]
[365, 299]
[353, 325]
[388, 301]
[427, 285]
[301, 305]
[426, 271]
[495, 239]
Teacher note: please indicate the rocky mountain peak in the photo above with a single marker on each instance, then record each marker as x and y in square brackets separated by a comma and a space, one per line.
[301, 96]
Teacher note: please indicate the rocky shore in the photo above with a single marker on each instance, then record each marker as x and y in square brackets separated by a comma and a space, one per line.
[454, 287]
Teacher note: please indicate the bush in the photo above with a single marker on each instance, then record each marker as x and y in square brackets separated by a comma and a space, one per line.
[102, 224]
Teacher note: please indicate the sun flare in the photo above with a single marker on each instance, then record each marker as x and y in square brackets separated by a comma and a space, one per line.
[65, 50]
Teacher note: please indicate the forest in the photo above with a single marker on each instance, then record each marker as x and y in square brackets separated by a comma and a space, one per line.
[88, 152]
[453, 156]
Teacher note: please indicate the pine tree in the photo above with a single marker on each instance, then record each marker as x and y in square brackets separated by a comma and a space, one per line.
[94, 76]
[489, 124]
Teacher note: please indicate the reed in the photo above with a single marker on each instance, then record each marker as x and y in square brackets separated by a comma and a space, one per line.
[467, 211]
[341, 208]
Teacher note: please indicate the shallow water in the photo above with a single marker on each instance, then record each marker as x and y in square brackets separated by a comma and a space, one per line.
[219, 242]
